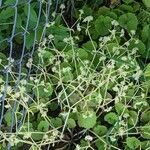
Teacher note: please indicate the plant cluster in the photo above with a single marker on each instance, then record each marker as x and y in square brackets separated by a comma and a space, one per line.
[87, 84]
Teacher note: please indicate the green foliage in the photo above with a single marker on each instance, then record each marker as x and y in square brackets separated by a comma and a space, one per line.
[87, 119]
[146, 3]
[71, 123]
[33, 15]
[100, 130]
[8, 118]
[145, 130]
[103, 25]
[111, 118]
[132, 142]
[43, 90]
[133, 117]
[147, 72]
[128, 21]
[120, 108]
[43, 126]
[145, 117]
[85, 84]
[144, 33]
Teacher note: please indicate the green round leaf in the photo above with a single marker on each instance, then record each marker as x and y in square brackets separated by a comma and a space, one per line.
[87, 119]
[120, 108]
[56, 122]
[146, 3]
[82, 53]
[90, 45]
[103, 25]
[71, 123]
[43, 90]
[111, 118]
[100, 130]
[145, 131]
[145, 117]
[37, 136]
[133, 117]
[128, 21]
[145, 33]
[140, 45]
[8, 117]
[133, 142]
[43, 126]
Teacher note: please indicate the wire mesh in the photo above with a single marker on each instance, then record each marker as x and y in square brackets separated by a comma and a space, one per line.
[21, 29]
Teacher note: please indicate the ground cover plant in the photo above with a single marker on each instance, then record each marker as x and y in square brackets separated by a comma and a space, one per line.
[75, 82]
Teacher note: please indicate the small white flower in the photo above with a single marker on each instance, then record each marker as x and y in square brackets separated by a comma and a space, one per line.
[44, 113]
[126, 115]
[17, 95]
[22, 89]
[88, 19]
[45, 90]
[121, 132]
[88, 138]
[103, 58]
[127, 43]
[25, 99]
[54, 69]
[115, 23]
[77, 38]
[74, 110]
[8, 106]
[31, 78]
[125, 87]
[112, 138]
[81, 11]
[23, 82]
[54, 14]
[67, 69]
[55, 133]
[51, 36]
[143, 95]
[132, 32]
[62, 6]
[137, 41]
[123, 94]
[47, 25]
[108, 109]
[124, 58]
[137, 75]
[106, 39]
[78, 27]
[45, 137]
[115, 88]
[113, 32]
[134, 50]
[11, 60]
[52, 23]
[84, 116]
[27, 135]
[122, 33]
[78, 147]
[116, 99]
[66, 40]
[9, 89]
[64, 114]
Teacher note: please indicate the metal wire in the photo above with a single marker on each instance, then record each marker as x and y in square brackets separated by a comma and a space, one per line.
[24, 52]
